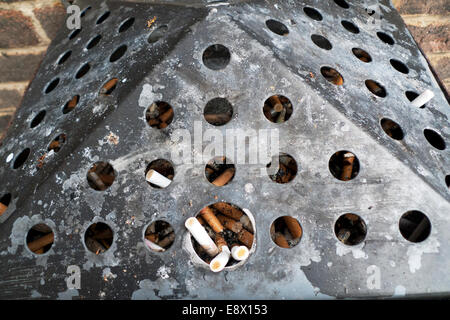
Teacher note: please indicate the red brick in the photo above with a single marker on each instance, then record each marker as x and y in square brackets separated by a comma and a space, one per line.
[19, 68]
[9, 98]
[51, 18]
[17, 30]
[432, 38]
[440, 7]
[442, 67]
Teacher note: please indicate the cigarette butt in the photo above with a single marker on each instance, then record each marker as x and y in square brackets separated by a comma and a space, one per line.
[200, 219]
[423, 98]
[276, 102]
[220, 261]
[228, 210]
[165, 242]
[281, 116]
[158, 179]
[217, 118]
[246, 223]
[344, 235]
[163, 125]
[245, 238]
[94, 245]
[240, 253]
[154, 246]
[348, 168]
[220, 241]
[166, 115]
[281, 240]
[224, 178]
[153, 122]
[2, 208]
[72, 103]
[229, 223]
[39, 251]
[41, 242]
[95, 179]
[199, 233]
[352, 217]
[108, 86]
[152, 237]
[211, 219]
[54, 145]
[293, 226]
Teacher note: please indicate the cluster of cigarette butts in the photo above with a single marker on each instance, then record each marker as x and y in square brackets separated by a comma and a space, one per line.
[222, 235]
[40, 238]
[159, 115]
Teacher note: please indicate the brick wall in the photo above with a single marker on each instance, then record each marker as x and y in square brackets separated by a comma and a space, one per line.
[28, 26]
[26, 29]
[429, 23]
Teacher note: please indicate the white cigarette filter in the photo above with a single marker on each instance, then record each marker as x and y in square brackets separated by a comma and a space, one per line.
[423, 98]
[199, 233]
[158, 179]
[240, 253]
[154, 246]
[220, 261]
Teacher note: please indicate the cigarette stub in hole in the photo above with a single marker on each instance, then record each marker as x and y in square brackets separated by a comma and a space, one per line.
[153, 246]
[240, 253]
[423, 98]
[221, 260]
[199, 233]
[158, 179]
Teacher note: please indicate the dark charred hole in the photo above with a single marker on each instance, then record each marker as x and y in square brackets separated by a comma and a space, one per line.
[216, 57]
[103, 17]
[227, 225]
[218, 111]
[385, 38]
[159, 173]
[284, 170]
[159, 115]
[277, 27]
[277, 109]
[344, 165]
[159, 236]
[5, 200]
[415, 226]
[64, 57]
[286, 232]
[332, 75]
[83, 71]
[349, 26]
[40, 238]
[21, 158]
[127, 24]
[392, 129]
[98, 238]
[101, 176]
[350, 229]
[362, 55]
[118, 53]
[220, 171]
[321, 42]
[71, 104]
[52, 85]
[38, 119]
[312, 13]
[93, 42]
[376, 88]
[57, 143]
[74, 33]
[434, 139]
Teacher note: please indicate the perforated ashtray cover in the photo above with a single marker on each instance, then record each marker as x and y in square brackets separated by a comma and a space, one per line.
[395, 176]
